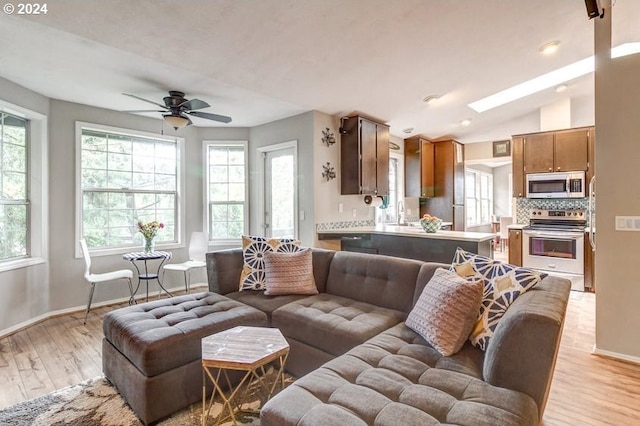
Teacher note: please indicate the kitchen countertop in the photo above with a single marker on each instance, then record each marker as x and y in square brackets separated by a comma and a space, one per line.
[410, 231]
[517, 225]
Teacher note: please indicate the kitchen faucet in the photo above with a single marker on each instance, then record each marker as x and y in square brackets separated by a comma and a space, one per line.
[400, 212]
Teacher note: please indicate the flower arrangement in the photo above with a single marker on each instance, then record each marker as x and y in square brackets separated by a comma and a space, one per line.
[149, 230]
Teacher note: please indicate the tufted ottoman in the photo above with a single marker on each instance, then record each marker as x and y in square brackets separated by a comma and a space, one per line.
[397, 379]
[152, 352]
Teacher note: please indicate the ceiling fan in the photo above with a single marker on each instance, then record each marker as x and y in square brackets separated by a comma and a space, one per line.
[176, 109]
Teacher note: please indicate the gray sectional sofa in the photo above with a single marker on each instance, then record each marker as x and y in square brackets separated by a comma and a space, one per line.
[355, 360]
[358, 364]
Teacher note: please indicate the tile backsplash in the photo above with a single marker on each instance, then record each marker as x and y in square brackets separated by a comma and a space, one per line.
[525, 205]
[327, 226]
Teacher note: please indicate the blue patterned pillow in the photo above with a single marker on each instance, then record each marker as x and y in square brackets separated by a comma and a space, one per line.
[502, 282]
[253, 250]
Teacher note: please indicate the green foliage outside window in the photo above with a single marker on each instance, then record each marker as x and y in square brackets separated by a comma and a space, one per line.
[14, 204]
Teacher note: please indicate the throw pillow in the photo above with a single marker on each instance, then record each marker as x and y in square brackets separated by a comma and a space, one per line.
[446, 311]
[253, 250]
[289, 273]
[502, 282]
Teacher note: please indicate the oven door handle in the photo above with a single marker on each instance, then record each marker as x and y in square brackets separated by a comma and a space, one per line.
[554, 234]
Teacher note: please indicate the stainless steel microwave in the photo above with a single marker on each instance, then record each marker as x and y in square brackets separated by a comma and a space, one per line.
[556, 185]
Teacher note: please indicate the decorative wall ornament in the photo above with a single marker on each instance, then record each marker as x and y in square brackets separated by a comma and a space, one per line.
[328, 138]
[329, 171]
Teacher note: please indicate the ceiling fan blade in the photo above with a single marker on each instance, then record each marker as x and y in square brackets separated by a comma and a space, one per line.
[209, 116]
[164, 108]
[144, 110]
[194, 104]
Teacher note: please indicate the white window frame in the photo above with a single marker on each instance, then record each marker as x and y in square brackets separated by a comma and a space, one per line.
[477, 197]
[206, 214]
[180, 187]
[37, 184]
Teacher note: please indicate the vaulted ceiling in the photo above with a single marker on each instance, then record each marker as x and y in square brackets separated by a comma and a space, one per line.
[259, 61]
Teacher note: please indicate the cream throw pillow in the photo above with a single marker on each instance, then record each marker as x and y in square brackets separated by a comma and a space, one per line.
[446, 311]
[289, 273]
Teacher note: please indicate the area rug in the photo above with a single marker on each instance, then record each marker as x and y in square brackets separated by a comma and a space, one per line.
[97, 403]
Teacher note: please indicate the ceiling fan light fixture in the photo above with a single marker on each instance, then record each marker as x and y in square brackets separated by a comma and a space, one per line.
[550, 47]
[176, 121]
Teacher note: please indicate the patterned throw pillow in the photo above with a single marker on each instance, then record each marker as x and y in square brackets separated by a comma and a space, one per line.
[253, 250]
[289, 273]
[502, 282]
[446, 311]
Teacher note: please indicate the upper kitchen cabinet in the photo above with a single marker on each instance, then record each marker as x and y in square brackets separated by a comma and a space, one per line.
[419, 165]
[517, 159]
[364, 154]
[561, 151]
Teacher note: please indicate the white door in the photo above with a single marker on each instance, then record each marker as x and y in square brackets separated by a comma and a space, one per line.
[280, 198]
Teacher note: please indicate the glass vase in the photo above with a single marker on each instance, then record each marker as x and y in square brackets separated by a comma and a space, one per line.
[149, 244]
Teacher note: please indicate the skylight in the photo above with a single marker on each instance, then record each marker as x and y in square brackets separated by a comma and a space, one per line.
[550, 79]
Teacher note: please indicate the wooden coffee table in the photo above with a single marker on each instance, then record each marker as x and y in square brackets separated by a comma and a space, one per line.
[240, 348]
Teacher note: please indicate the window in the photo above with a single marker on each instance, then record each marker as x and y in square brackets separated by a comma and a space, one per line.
[14, 188]
[226, 191]
[126, 177]
[396, 193]
[479, 192]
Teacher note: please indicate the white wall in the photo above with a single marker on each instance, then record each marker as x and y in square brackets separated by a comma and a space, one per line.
[300, 128]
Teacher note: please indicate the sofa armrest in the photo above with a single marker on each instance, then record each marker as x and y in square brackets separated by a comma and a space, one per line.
[223, 270]
[522, 353]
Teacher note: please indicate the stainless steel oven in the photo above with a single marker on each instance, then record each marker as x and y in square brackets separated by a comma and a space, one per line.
[554, 242]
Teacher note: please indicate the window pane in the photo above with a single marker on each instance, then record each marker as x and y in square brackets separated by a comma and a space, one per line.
[13, 231]
[14, 186]
[226, 195]
[14, 158]
[120, 165]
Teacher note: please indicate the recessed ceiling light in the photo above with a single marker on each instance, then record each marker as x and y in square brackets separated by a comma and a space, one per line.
[550, 47]
[408, 130]
[561, 88]
[430, 99]
[465, 122]
[550, 79]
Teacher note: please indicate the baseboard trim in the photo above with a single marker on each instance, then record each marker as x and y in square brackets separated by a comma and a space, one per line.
[52, 314]
[616, 355]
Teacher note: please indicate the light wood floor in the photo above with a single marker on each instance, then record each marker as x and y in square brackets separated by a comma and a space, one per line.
[586, 389]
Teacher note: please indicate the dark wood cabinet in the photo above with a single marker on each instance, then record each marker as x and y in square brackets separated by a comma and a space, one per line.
[560, 151]
[517, 158]
[589, 266]
[448, 200]
[364, 155]
[419, 165]
[515, 247]
[538, 153]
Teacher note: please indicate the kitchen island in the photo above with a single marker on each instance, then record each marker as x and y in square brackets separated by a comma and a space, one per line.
[410, 242]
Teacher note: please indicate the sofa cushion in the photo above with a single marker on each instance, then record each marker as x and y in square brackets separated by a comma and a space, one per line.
[503, 283]
[262, 302]
[446, 311]
[332, 323]
[397, 378]
[384, 281]
[165, 334]
[289, 273]
[253, 250]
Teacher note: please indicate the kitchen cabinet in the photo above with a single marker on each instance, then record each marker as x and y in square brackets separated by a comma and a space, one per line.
[557, 151]
[561, 151]
[364, 155]
[515, 247]
[589, 266]
[448, 200]
[419, 165]
[517, 174]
